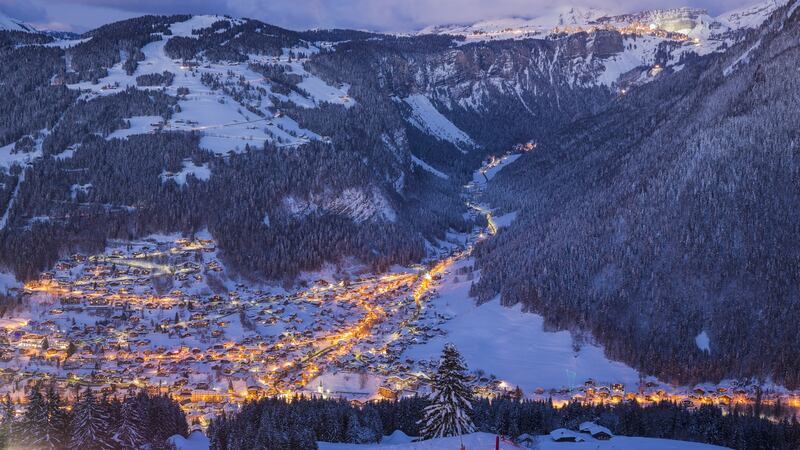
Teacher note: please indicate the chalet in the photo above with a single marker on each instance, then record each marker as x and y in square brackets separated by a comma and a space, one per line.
[31, 341]
[565, 435]
[598, 432]
[387, 393]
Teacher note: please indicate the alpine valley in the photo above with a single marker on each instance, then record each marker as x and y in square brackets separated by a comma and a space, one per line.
[593, 208]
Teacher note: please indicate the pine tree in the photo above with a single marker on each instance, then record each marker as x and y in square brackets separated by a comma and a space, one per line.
[33, 430]
[449, 413]
[7, 427]
[90, 428]
[57, 420]
[131, 431]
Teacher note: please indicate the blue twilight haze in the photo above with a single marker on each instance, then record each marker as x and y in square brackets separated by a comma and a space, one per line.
[381, 15]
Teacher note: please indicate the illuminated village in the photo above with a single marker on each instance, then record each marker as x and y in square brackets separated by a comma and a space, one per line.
[154, 314]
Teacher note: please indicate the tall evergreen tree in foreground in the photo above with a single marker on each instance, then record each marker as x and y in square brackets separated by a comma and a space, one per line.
[450, 411]
[131, 432]
[90, 424]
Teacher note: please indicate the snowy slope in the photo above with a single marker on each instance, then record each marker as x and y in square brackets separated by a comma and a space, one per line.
[750, 16]
[226, 124]
[514, 345]
[480, 441]
[518, 28]
[691, 30]
[428, 119]
[11, 24]
[195, 441]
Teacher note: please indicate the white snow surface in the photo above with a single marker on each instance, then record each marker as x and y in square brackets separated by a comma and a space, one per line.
[478, 176]
[225, 124]
[486, 441]
[703, 341]
[196, 441]
[514, 345]
[505, 220]
[138, 125]
[751, 16]
[428, 167]
[8, 281]
[429, 120]
[8, 159]
[201, 173]
[11, 24]
[518, 28]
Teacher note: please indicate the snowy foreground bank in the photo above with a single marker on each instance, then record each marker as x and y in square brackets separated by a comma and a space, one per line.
[481, 441]
[486, 441]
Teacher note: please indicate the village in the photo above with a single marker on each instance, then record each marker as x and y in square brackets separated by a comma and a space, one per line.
[160, 314]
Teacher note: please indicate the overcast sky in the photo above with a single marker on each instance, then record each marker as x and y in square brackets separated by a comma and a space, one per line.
[379, 15]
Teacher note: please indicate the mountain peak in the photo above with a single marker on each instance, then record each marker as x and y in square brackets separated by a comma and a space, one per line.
[11, 24]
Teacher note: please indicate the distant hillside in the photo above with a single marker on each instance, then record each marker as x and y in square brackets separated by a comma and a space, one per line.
[668, 216]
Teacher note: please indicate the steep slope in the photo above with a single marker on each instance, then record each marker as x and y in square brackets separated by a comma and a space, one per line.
[185, 123]
[667, 224]
[11, 24]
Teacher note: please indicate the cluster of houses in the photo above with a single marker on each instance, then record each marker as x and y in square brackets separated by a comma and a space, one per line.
[143, 315]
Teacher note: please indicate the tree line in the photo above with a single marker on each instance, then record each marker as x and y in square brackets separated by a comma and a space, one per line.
[91, 422]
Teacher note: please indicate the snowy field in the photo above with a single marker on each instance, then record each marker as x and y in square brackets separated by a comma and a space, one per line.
[513, 345]
[480, 441]
[486, 441]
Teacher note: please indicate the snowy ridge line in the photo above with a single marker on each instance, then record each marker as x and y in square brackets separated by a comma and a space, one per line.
[429, 168]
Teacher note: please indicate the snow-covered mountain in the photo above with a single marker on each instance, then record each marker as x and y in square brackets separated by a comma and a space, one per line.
[657, 38]
[520, 27]
[295, 149]
[11, 24]
[691, 22]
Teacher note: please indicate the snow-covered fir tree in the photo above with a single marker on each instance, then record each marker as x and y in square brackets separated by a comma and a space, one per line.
[6, 421]
[57, 435]
[449, 413]
[131, 432]
[33, 429]
[90, 424]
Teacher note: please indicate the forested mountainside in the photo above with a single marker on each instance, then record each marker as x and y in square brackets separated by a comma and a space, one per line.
[671, 214]
[293, 148]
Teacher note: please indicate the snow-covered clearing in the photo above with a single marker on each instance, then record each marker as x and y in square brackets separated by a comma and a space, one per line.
[428, 167]
[703, 341]
[201, 173]
[8, 158]
[505, 220]
[481, 177]
[428, 119]
[486, 441]
[138, 125]
[195, 441]
[514, 345]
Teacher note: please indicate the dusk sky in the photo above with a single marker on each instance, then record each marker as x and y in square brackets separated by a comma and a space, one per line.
[381, 15]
